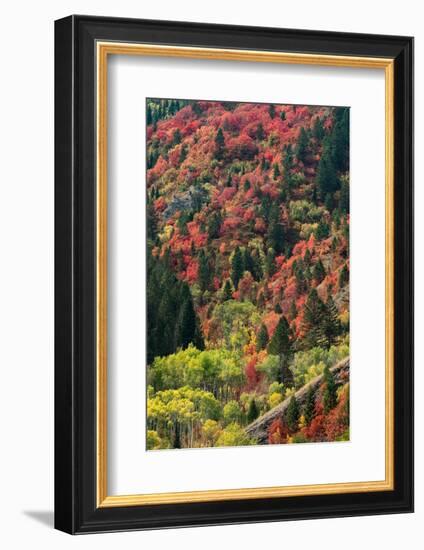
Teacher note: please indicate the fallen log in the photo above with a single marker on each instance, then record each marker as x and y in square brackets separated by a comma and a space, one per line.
[259, 428]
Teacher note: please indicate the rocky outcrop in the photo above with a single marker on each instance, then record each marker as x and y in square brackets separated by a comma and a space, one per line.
[186, 201]
[259, 428]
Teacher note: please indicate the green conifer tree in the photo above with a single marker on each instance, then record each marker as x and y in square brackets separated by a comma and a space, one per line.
[309, 408]
[149, 118]
[302, 145]
[326, 175]
[318, 129]
[319, 271]
[262, 338]
[281, 345]
[227, 291]
[293, 310]
[252, 412]
[344, 196]
[313, 320]
[331, 326]
[307, 257]
[219, 144]
[176, 137]
[237, 267]
[322, 231]
[292, 415]
[248, 263]
[186, 325]
[260, 133]
[203, 271]
[214, 226]
[256, 266]
[275, 233]
[343, 276]
[330, 391]
[340, 139]
[270, 267]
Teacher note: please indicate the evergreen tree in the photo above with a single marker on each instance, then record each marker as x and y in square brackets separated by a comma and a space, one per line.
[151, 223]
[271, 110]
[204, 271]
[183, 153]
[275, 171]
[275, 233]
[322, 231]
[344, 276]
[171, 319]
[262, 338]
[313, 320]
[166, 343]
[227, 291]
[302, 145]
[336, 219]
[300, 272]
[332, 326]
[330, 391]
[293, 310]
[329, 202]
[237, 267]
[246, 185]
[309, 408]
[288, 160]
[307, 257]
[277, 309]
[326, 175]
[344, 196]
[319, 271]
[318, 129]
[292, 415]
[283, 115]
[270, 267]
[340, 139]
[214, 226]
[256, 266]
[149, 118]
[280, 343]
[265, 208]
[252, 412]
[219, 144]
[176, 137]
[260, 134]
[197, 109]
[186, 327]
[248, 263]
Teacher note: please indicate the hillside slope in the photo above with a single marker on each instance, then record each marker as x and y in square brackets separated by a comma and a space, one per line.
[248, 256]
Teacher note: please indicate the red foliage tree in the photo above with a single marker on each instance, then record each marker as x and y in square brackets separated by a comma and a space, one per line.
[278, 432]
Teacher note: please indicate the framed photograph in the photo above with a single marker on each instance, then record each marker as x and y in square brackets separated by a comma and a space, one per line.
[234, 274]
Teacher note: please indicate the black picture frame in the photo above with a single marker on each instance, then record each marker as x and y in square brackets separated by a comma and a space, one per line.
[76, 510]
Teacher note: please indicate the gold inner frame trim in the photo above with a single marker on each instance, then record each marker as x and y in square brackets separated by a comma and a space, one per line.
[104, 49]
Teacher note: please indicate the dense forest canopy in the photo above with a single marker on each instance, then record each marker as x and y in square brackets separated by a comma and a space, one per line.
[248, 270]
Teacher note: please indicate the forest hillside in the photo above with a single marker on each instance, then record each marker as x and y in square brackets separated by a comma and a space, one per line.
[248, 271]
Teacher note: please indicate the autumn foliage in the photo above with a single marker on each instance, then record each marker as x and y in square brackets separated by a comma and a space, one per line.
[248, 215]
